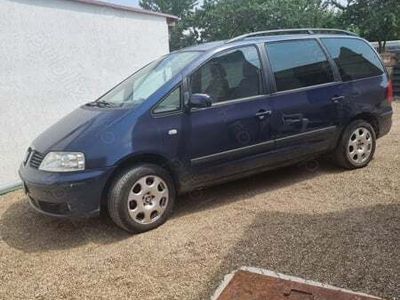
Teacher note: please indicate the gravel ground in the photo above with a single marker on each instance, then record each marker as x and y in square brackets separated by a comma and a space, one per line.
[314, 221]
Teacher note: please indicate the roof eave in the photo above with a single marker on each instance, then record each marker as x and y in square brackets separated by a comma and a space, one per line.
[170, 18]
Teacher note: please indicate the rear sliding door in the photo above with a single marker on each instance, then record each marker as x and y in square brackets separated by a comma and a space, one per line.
[304, 116]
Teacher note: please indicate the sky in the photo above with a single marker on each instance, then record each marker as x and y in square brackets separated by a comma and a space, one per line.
[124, 2]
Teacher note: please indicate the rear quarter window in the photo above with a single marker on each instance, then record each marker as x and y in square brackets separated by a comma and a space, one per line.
[354, 58]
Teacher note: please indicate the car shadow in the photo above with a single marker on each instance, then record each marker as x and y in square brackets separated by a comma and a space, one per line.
[356, 249]
[24, 229]
[248, 187]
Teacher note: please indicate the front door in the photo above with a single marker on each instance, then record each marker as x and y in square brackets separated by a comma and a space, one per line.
[306, 100]
[236, 128]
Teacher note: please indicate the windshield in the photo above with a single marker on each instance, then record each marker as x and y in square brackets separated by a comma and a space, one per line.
[142, 84]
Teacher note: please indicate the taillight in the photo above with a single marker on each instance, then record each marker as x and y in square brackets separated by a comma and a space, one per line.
[389, 92]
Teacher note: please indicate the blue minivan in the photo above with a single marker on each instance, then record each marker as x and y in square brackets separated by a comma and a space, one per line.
[207, 114]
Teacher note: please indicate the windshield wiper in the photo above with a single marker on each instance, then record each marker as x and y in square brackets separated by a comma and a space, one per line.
[100, 103]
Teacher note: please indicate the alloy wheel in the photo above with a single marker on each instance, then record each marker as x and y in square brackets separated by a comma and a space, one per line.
[359, 147]
[148, 199]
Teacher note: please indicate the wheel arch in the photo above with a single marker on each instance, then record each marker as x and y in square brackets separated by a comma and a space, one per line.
[365, 116]
[129, 161]
[370, 118]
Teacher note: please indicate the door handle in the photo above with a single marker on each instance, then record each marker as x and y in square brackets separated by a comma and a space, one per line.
[337, 99]
[172, 132]
[263, 113]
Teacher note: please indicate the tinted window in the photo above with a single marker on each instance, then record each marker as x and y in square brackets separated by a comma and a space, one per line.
[298, 64]
[354, 58]
[171, 103]
[231, 75]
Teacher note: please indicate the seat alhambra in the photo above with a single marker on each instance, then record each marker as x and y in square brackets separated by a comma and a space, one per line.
[207, 114]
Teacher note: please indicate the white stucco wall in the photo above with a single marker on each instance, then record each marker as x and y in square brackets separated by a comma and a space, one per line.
[59, 54]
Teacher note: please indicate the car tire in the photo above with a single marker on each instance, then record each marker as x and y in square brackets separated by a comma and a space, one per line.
[141, 198]
[356, 146]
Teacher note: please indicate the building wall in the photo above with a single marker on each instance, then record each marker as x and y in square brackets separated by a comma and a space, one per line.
[59, 54]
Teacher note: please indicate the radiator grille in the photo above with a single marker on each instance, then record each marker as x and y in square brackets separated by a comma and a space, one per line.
[36, 159]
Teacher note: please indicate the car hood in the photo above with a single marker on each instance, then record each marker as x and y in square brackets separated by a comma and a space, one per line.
[78, 128]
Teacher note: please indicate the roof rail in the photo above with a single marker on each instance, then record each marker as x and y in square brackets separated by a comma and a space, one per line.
[291, 31]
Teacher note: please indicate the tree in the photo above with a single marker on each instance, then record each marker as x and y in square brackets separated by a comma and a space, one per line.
[222, 19]
[180, 8]
[376, 20]
[180, 35]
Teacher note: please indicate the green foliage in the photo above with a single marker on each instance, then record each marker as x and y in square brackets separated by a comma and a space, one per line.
[228, 18]
[180, 8]
[375, 20]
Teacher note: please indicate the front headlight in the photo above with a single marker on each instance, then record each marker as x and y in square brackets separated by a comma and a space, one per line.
[63, 162]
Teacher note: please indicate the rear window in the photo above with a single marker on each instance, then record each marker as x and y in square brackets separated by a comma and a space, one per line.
[298, 64]
[354, 58]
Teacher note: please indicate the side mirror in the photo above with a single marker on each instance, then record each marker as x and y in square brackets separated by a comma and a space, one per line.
[200, 100]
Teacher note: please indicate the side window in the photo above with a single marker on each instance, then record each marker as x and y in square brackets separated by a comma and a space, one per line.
[298, 64]
[171, 103]
[231, 75]
[354, 58]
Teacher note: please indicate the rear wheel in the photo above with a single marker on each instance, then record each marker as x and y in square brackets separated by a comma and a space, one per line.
[141, 198]
[356, 147]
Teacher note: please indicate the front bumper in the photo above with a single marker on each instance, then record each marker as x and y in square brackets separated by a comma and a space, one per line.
[75, 194]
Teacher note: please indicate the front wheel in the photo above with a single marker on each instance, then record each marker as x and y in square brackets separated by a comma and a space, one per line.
[356, 147]
[141, 198]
